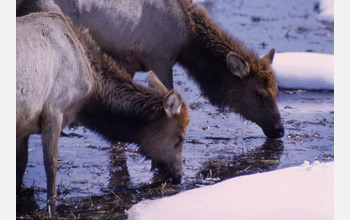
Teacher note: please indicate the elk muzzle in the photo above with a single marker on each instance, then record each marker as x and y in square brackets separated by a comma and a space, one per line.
[277, 131]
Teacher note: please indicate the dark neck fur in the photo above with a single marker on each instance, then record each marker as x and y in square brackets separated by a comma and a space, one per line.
[205, 56]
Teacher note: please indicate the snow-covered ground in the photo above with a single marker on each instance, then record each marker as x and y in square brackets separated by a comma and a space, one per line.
[300, 70]
[302, 192]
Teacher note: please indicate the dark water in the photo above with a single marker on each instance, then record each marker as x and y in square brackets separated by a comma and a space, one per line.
[99, 180]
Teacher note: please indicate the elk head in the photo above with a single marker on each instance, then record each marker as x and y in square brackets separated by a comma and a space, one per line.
[255, 95]
[168, 133]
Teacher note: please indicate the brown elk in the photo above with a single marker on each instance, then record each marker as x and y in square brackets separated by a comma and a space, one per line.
[63, 77]
[229, 75]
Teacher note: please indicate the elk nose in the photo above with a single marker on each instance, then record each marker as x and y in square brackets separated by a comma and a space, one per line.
[277, 132]
[280, 132]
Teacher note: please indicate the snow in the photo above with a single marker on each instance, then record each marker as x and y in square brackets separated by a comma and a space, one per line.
[326, 8]
[302, 192]
[299, 70]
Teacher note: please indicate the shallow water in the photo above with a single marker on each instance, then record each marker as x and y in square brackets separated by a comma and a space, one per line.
[97, 179]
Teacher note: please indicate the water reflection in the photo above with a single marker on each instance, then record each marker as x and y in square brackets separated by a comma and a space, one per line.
[119, 175]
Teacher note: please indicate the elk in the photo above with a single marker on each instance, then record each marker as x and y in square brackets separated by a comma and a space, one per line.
[230, 75]
[63, 77]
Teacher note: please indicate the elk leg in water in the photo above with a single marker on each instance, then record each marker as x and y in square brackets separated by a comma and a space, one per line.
[21, 159]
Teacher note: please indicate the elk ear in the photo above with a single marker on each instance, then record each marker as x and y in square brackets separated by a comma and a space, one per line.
[237, 65]
[156, 84]
[269, 56]
[172, 103]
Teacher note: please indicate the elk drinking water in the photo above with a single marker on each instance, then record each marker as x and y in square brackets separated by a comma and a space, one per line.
[63, 77]
[229, 75]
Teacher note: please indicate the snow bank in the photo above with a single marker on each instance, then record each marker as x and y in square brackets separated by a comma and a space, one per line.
[299, 70]
[326, 8]
[302, 192]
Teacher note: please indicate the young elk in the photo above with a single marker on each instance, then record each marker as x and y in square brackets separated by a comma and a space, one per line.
[229, 75]
[63, 77]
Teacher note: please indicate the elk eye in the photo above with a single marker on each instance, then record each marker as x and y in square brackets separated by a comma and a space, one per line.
[258, 95]
[179, 142]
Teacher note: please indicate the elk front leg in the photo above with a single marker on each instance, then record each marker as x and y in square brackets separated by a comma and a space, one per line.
[21, 160]
[51, 129]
